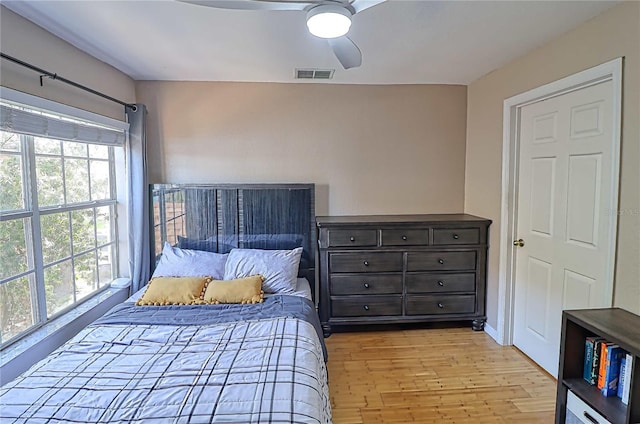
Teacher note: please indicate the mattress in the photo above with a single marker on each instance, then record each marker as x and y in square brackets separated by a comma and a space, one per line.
[262, 363]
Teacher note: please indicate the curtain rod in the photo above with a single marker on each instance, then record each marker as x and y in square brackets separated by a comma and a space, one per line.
[53, 76]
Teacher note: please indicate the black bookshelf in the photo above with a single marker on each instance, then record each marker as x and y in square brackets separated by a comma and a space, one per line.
[615, 325]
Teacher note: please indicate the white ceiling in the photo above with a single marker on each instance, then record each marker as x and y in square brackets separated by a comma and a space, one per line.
[402, 42]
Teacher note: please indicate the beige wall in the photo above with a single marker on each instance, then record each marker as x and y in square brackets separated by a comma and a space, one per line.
[612, 34]
[368, 149]
[30, 43]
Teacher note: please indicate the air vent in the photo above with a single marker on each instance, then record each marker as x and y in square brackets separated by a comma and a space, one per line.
[314, 73]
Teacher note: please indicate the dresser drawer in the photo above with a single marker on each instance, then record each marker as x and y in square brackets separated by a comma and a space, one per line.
[434, 261]
[445, 304]
[356, 238]
[440, 283]
[405, 237]
[365, 262]
[342, 284]
[366, 306]
[456, 236]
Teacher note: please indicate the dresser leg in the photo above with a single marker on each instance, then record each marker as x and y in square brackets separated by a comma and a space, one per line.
[326, 330]
[478, 324]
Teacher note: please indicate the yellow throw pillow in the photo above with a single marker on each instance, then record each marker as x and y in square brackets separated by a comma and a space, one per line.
[174, 291]
[241, 290]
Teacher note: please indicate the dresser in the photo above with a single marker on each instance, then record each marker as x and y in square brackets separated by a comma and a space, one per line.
[389, 269]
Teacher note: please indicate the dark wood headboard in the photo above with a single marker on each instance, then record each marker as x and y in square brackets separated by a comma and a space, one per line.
[219, 217]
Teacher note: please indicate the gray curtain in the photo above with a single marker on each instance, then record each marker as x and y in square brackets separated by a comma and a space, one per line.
[138, 216]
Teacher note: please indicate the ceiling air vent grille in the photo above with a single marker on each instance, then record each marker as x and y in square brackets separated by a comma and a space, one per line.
[314, 73]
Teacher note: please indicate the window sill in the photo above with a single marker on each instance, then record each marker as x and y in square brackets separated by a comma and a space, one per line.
[19, 356]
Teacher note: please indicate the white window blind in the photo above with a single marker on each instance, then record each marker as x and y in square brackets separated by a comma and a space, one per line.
[26, 120]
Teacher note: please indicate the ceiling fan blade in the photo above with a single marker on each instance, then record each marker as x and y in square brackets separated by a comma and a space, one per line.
[360, 5]
[346, 51]
[251, 4]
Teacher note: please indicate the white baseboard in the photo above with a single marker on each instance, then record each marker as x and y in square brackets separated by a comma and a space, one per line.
[491, 332]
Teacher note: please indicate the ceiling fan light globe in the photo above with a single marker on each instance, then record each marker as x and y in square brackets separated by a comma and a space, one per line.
[328, 21]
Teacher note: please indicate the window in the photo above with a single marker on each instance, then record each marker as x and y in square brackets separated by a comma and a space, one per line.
[58, 214]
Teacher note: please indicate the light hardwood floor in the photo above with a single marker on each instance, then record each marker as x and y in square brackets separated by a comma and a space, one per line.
[442, 375]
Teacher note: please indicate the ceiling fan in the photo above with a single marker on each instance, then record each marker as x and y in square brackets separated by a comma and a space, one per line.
[329, 19]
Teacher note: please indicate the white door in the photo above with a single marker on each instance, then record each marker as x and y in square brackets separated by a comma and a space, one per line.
[565, 179]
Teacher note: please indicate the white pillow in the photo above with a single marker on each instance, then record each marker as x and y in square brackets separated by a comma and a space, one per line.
[278, 267]
[176, 262]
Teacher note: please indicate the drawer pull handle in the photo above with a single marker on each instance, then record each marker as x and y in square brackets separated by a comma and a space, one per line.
[589, 417]
[366, 263]
[440, 305]
[366, 307]
[440, 283]
[456, 237]
[352, 239]
[366, 285]
[404, 238]
[441, 261]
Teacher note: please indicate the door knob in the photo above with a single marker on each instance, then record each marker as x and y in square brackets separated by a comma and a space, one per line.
[518, 242]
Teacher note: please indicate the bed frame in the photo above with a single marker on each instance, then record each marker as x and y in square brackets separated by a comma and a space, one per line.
[219, 217]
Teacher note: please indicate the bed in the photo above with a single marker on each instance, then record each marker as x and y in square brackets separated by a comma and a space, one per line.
[199, 362]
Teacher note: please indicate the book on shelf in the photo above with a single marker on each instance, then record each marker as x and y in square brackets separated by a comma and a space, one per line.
[589, 346]
[621, 378]
[609, 368]
[626, 386]
[595, 362]
[602, 367]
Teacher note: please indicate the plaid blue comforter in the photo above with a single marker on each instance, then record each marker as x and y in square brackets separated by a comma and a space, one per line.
[204, 364]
